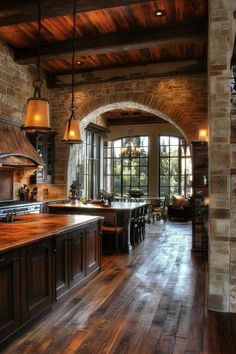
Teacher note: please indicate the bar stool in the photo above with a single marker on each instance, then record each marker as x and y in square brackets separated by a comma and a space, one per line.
[110, 227]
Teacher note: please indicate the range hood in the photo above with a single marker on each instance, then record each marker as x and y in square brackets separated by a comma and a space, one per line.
[15, 149]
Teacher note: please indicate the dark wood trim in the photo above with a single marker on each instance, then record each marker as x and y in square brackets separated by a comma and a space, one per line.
[111, 43]
[97, 129]
[14, 12]
[128, 73]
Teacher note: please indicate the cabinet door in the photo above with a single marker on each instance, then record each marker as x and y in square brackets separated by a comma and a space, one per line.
[9, 294]
[62, 266]
[77, 257]
[36, 267]
[92, 249]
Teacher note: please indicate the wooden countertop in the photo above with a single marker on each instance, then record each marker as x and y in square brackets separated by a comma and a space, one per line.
[114, 206]
[27, 229]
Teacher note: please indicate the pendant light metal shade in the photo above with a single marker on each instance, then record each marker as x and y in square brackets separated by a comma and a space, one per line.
[72, 132]
[37, 115]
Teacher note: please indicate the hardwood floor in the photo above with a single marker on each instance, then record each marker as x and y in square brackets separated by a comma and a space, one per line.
[150, 301]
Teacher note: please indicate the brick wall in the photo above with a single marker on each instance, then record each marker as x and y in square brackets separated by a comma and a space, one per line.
[181, 101]
[15, 88]
[222, 257]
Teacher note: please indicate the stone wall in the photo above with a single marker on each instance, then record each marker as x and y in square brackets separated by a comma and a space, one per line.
[222, 258]
[181, 101]
[15, 89]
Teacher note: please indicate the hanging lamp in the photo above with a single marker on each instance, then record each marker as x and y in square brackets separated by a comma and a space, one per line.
[72, 131]
[37, 115]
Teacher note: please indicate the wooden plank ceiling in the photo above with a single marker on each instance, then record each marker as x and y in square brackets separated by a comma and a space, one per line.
[116, 39]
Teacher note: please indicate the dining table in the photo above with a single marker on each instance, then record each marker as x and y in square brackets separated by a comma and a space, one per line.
[123, 210]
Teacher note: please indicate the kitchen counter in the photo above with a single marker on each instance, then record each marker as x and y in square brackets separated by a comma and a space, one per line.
[26, 229]
[42, 259]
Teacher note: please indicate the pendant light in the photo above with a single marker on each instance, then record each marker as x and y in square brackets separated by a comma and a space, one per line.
[37, 115]
[72, 131]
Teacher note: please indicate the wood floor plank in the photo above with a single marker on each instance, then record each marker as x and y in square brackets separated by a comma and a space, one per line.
[151, 301]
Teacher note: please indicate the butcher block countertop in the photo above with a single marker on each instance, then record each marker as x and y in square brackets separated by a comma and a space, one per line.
[27, 229]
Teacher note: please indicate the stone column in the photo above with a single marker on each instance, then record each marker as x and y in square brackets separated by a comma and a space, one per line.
[222, 233]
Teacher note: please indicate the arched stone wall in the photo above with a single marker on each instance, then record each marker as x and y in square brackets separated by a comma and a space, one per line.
[94, 108]
[181, 100]
[149, 103]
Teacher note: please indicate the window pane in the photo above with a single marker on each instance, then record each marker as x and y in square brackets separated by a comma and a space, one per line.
[126, 181]
[174, 141]
[133, 173]
[164, 181]
[116, 152]
[164, 151]
[117, 143]
[174, 166]
[164, 140]
[143, 140]
[117, 166]
[174, 150]
[164, 167]
[179, 156]
[134, 181]
[174, 181]
[144, 161]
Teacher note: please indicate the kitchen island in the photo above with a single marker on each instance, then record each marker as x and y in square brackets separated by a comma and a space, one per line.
[42, 258]
[125, 212]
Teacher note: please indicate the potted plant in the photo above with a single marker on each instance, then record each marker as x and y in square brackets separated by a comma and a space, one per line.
[73, 193]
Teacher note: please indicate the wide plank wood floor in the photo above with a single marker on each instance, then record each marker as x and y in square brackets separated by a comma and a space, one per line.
[150, 301]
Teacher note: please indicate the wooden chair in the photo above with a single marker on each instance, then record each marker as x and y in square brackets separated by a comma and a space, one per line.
[161, 213]
[110, 227]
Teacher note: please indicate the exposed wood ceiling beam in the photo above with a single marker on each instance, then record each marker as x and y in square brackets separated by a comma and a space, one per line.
[14, 11]
[127, 73]
[111, 43]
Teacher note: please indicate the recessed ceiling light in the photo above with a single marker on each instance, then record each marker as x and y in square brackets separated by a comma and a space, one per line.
[79, 62]
[159, 13]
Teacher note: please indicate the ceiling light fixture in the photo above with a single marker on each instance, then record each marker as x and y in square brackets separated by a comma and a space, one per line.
[72, 131]
[130, 149]
[37, 115]
[160, 13]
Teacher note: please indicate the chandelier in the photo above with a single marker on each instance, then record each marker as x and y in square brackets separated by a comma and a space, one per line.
[130, 150]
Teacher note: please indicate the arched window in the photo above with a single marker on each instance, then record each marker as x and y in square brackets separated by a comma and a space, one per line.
[175, 166]
[122, 173]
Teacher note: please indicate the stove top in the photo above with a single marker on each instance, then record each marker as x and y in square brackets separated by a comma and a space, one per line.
[18, 207]
[16, 202]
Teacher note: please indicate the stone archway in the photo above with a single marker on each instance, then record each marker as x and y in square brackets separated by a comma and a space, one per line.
[149, 103]
[146, 102]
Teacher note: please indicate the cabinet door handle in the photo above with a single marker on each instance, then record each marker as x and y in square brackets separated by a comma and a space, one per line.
[2, 260]
[16, 259]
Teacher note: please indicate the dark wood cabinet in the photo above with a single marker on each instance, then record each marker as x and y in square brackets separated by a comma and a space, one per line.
[35, 276]
[77, 257]
[200, 192]
[44, 144]
[36, 279]
[62, 265]
[92, 249]
[9, 294]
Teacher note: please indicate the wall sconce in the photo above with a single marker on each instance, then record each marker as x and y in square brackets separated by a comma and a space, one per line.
[203, 135]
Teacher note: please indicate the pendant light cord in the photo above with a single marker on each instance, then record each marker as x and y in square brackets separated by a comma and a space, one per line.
[73, 108]
[39, 39]
[38, 82]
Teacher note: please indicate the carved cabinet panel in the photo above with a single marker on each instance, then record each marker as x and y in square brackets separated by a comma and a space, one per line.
[36, 264]
[9, 294]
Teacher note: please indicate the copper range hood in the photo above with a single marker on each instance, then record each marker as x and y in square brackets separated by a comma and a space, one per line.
[15, 148]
